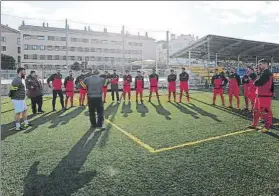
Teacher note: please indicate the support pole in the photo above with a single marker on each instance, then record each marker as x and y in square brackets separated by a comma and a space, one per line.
[271, 64]
[256, 60]
[189, 58]
[208, 51]
[123, 47]
[216, 60]
[67, 27]
[238, 62]
[168, 49]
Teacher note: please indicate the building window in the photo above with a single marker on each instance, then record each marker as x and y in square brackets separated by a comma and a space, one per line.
[42, 57]
[42, 47]
[86, 49]
[51, 38]
[25, 47]
[72, 58]
[34, 47]
[49, 47]
[26, 36]
[92, 58]
[72, 49]
[79, 58]
[18, 41]
[106, 50]
[104, 41]
[111, 50]
[25, 56]
[99, 58]
[85, 40]
[18, 59]
[63, 38]
[57, 48]
[99, 50]
[25, 66]
[4, 48]
[40, 37]
[34, 57]
[94, 40]
[64, 57]
[87, 58]
[140, 44]
[56, 57]
[49, 57]
[18, 50]
[74, 39]
[3, 39]
[64, 48]
[113, 42]
[92, 49]
[79, 49]
[106, 58]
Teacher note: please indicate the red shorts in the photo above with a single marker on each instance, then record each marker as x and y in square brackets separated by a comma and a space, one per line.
[262, 102]
[139, 90]
[105, 89]
[153, 89]
[233, 91]
[172, 87]
[126, 89]
[69, 93]
[246, 91]
[82, 91]
[184, 86]
[219, 91]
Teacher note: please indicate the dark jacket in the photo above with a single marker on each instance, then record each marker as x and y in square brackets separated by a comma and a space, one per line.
[56, 80]
[33, 86]
[17, 90]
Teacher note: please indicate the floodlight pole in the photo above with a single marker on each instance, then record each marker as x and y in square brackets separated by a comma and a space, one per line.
[271, 64]
[208, 51]
[238, 62]
[189, 58]
[256, 60]
[67, 27]
[168, 49]
[216, 59]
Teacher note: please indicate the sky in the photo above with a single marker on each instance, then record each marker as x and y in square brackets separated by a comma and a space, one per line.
[254, 20]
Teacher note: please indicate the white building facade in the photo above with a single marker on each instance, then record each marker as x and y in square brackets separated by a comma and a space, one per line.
[10, 43]
[45, 47]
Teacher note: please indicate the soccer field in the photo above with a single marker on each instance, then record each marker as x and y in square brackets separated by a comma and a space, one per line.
[151, 149]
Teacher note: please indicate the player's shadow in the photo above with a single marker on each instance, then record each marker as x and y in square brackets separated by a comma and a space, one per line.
[142, 109]
[161, 110]
[126, 109]
[66, 177]
[273, 135]
[9, 128]
[202, 112]
[185, 110]
[110, 112]
[62, 120]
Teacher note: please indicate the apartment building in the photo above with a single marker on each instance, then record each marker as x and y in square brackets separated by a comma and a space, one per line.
[45, 47]
[10, 43]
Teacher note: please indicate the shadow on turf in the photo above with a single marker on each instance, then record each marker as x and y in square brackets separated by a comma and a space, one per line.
[126, 109]
[66, 178]
[142, 109]
[66, 118]
[202, 112]
[161, 110]
[6, 128]
[185, 110]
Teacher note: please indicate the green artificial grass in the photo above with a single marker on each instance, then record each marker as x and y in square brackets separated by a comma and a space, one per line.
[61, 156]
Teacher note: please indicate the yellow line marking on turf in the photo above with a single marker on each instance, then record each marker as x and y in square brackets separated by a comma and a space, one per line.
[135, 139]
[201, 141]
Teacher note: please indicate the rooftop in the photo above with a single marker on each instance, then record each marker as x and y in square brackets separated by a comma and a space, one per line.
[6, 28]
[228, 48]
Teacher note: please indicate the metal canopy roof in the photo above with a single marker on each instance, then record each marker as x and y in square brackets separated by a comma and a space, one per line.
[228, 48]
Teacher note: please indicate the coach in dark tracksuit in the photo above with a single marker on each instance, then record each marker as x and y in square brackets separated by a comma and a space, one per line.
[56, 80]
[94, 86]
[34, 92]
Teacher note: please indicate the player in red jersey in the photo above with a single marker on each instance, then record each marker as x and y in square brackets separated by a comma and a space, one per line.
[184, 85]
[127, 79]
[154, 79]
[219, 81]
[139, 86]
[252, 88]
[264, 93]
[172, 85]
[69, 87]
[234, 83]
[81, 87]
[106, 76]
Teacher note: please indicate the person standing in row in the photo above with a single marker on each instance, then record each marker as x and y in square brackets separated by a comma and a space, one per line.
[69, 88]
[184, 85]
[245, 85]
[56, 80]
[234, 83]
[219, 81]
[17, 94]
[34, 92]
[106, 77]
[127, 79]
[154, 80]
[114, 86]
[82, 88]
[94, 86]
[139, 86]
[172, 85]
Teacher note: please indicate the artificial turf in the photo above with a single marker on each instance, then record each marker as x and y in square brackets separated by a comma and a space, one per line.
[60, 155]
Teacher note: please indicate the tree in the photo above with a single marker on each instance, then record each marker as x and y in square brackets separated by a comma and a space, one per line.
[75, 66]
[7, 62]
